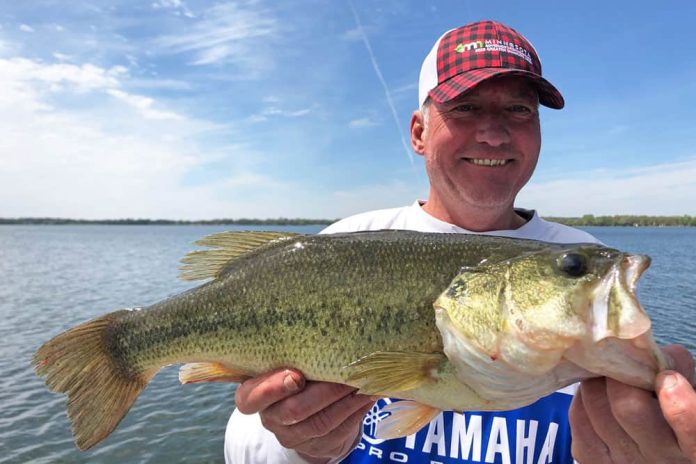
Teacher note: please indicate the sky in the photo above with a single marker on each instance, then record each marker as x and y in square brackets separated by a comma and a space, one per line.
[179, 109]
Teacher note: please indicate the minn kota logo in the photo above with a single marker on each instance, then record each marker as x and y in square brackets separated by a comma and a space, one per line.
[372, 418]
[462, 47]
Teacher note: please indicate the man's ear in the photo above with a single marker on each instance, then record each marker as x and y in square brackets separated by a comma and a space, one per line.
[417, 131]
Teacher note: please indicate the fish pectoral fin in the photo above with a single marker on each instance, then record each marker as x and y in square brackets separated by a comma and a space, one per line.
[209, 372]
[387, 372]
[405, 417]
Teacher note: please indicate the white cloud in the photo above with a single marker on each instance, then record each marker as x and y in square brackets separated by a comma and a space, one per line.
[84, 78]
[95, 160]
[228, 33]
[177, 6]
[664, 189]
[356, 34]
[143, 105]
[26, 28]
[362, 123]
[274, 111]
[62, 56]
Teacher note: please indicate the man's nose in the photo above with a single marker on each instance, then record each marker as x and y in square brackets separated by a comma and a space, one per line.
[491, 129]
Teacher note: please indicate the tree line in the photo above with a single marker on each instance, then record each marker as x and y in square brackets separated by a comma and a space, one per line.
[624, 220]
[139, 222]
[627, 220]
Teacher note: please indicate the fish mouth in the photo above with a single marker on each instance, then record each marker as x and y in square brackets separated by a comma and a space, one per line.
[616, 311]
[633, 266]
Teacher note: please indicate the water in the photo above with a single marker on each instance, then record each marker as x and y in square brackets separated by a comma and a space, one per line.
[54, 277]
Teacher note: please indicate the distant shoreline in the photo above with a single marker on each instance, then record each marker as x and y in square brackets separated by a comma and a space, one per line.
[165, 222]
[584, 221]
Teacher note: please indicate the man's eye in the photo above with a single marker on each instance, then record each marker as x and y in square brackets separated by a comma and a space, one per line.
[520, 109]
[464, 107]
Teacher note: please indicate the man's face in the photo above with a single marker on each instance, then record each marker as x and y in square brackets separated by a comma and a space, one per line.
[482, 147]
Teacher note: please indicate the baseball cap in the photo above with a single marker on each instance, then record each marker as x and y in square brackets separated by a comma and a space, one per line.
[468, 55]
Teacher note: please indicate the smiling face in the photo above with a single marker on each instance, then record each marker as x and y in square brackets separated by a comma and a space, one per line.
[480, 149]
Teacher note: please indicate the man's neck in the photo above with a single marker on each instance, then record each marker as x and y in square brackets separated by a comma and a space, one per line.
[476, 219]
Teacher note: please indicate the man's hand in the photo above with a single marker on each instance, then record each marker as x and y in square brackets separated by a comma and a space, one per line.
[615, 423]
[319, 420]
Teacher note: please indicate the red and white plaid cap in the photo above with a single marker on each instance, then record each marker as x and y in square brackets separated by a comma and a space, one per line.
[464, 57]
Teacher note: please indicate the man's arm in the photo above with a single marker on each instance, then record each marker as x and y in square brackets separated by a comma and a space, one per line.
[321, 421]
[614, 423]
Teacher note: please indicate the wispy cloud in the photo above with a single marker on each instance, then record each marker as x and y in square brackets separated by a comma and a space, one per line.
[83, 78]
[274, 111]
[227, 33]
[62, 56]
[90, 162]
[363, 122]
[144, 105]
[26, 28]
[177, 6]
[664, 189]
[357, 34]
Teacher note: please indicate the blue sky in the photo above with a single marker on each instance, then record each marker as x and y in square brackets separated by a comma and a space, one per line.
[200, 110]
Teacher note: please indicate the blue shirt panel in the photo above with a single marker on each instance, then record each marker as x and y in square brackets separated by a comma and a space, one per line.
[542, 421]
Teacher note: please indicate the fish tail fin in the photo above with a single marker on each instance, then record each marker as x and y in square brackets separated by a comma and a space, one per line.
[100, 389]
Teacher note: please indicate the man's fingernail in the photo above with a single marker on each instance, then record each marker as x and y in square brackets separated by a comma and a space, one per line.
[290, 383]
[668, 381]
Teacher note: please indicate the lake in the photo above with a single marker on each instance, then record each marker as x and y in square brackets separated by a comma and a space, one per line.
[54, 277]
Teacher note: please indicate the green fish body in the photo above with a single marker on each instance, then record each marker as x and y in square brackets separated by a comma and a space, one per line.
[444, 321]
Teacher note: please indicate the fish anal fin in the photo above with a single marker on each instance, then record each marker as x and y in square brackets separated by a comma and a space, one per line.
[223, 248]
[209, 372]
[405, 418]
[387, 372]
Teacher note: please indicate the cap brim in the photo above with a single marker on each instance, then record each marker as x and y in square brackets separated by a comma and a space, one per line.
[450, 89]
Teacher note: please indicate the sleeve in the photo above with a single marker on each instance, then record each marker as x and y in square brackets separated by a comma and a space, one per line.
[248, 442]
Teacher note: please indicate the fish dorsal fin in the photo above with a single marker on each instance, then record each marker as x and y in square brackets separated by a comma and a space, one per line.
[224, 247]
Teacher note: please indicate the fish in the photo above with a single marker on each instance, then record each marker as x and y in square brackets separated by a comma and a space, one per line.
[440, 321]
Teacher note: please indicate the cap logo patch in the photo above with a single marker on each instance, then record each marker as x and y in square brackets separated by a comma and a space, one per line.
[461, 48]
[494, 45]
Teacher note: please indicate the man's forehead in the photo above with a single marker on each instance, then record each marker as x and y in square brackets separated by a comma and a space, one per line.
[517, 87]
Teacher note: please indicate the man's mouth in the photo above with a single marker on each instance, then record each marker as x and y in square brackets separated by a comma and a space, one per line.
[487, 162]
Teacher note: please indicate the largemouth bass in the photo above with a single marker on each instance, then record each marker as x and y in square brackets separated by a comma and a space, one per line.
[443, 321]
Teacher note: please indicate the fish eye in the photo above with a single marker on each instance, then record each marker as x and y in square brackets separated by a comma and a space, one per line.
[573, 264]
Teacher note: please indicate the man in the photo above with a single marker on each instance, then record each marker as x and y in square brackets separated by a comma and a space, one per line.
[478, 130]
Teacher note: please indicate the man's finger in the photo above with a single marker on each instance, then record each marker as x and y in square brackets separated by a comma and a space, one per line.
[259, 393]
[586, 445]
[621, 446]
[315, 397]
[683, 361]
[329, 420]
[678, 401]
[340, 440]
[638, 413]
